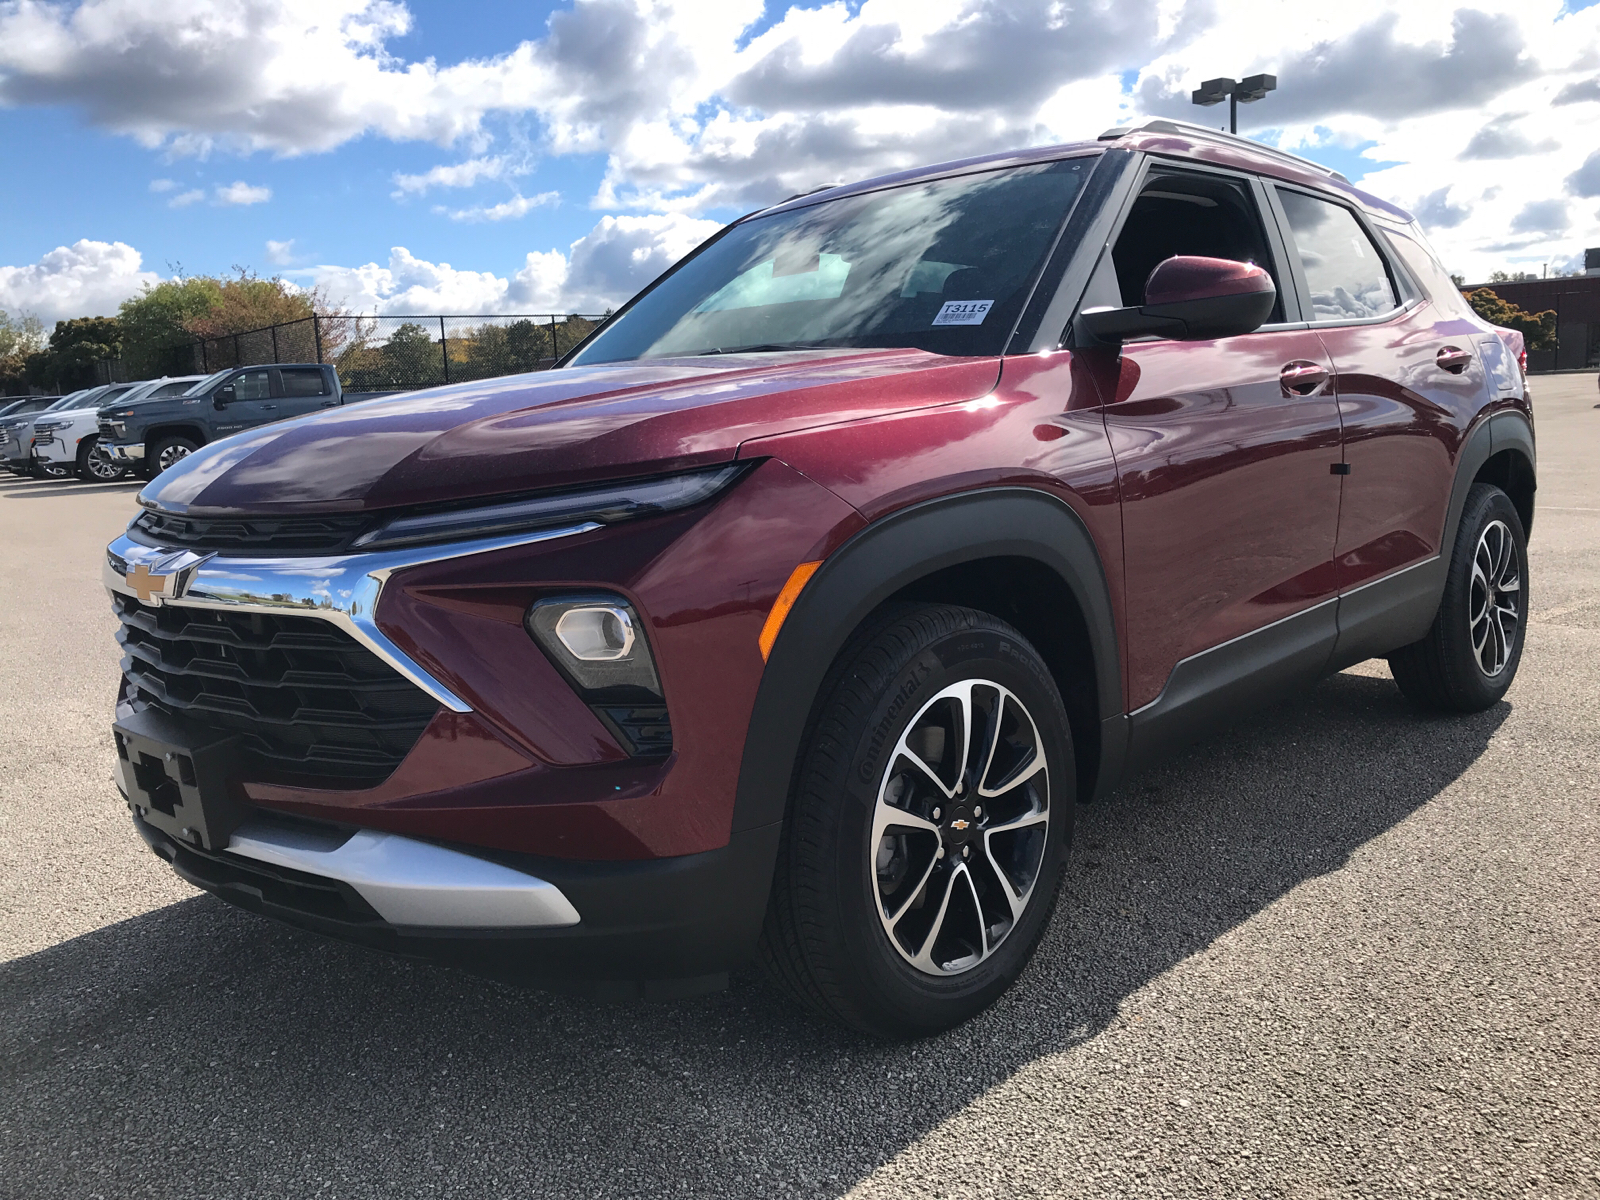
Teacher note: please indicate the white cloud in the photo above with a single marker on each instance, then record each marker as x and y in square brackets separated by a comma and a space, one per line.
[86, 278]
[691, 112]
[280, 253]
[455, 175]
[518, 206]
[599, 271]
[184, 199]
[241, 193]
[163, 185]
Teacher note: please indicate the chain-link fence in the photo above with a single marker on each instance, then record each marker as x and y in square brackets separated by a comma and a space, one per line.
[382, 354]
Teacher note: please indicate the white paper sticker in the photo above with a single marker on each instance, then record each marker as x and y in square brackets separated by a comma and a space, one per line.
[963, 312]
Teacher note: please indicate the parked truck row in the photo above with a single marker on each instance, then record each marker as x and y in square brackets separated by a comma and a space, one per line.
[107, 433]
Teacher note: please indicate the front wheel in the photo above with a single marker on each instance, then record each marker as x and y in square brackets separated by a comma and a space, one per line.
[921, 860]
[95, 463]
[168, 452]
[1470, 654]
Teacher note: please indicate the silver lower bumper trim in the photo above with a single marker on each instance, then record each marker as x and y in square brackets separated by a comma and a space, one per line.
[413, 883]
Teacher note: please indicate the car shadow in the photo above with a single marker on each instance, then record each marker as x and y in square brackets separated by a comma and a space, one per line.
[201, 1050]
[19, 488]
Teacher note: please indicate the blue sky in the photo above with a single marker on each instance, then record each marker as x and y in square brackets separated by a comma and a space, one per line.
[618, 136]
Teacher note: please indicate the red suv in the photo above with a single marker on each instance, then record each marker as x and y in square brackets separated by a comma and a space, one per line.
[790, 618]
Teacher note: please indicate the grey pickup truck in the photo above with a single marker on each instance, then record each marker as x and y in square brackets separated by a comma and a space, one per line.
[151, 435]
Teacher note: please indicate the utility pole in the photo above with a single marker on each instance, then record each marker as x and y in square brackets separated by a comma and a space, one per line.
[1249, 89]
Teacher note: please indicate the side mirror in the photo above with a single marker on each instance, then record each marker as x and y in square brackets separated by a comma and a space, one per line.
[224, 395]
[1191, 299]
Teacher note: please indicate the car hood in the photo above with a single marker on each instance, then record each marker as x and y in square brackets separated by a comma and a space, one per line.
[553, 428]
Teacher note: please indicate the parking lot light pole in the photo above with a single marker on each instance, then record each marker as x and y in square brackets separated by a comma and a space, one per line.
[1215, 91]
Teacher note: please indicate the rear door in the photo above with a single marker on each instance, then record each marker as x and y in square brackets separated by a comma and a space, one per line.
[303, 390]
[1409, 376]
[1223, 452]
[253, 403]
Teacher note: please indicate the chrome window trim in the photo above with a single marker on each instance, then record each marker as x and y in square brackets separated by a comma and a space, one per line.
[342, 589]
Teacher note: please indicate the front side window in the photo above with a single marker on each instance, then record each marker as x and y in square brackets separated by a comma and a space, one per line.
[252, 385]
[1345, 275]
[942, 266]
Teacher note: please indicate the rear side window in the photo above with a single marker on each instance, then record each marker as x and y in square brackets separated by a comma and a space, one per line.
[1344, 272]
[253, 385]
[303, 381]
[172, 389]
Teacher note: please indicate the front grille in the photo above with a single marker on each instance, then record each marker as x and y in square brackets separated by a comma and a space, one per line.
[328, 533]
[308, 699]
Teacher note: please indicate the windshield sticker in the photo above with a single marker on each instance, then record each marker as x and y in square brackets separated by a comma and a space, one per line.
[963, 312]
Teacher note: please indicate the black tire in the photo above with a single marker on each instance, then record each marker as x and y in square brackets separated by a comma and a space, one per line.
[173, 447]
[88, 462]
[1477, 626]
[41, 471]
[827, 938]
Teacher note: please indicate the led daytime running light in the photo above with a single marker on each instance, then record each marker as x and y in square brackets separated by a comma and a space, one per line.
[604, 505]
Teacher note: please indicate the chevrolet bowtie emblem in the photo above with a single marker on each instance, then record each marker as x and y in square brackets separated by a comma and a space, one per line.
[145, 585]
[168, 580]
[959, 824]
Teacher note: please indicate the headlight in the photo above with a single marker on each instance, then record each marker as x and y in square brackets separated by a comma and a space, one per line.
[604, 506]
[49, 426]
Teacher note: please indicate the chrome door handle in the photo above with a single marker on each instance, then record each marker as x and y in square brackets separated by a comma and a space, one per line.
[1301, 378]
[1453, 359]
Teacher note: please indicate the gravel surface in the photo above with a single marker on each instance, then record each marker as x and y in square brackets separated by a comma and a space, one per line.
[1344, 950]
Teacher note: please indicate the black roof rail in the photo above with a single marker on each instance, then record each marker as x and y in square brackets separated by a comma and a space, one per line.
[1190, 129]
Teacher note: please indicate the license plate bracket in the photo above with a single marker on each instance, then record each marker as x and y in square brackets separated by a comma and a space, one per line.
[179, 777]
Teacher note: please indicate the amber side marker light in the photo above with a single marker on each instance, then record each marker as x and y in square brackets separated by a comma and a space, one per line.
[785, 601]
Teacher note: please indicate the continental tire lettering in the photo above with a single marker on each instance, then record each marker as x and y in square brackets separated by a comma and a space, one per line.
[889, 727]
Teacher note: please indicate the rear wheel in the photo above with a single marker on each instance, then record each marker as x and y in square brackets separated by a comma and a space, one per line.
[168, 451]
[95, 463]
[1470, 654]
[923, 852]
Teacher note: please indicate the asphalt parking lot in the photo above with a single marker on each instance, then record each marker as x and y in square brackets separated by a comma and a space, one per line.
[1344, 950]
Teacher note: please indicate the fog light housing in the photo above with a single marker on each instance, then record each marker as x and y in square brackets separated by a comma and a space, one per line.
[598, 643]
[596, 632]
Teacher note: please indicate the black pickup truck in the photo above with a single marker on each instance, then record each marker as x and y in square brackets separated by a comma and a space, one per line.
[151, 435]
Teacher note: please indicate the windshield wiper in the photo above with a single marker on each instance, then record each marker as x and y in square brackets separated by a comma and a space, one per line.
[759, 348]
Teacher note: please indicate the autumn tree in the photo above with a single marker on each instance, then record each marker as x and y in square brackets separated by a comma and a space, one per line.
[1538, 330]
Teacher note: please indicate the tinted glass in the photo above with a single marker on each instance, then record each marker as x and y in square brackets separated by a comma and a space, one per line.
[206, 384]
[171, 389]
[1344, 273]
[302, 381]
[942, 266]
[253, 385]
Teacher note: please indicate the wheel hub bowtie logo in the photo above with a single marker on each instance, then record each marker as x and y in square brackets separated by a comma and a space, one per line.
[163, 579]
[959, 824]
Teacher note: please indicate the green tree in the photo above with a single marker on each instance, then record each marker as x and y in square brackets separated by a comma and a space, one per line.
[156, 332]
[20, 336]
[76, 347]
[1538, 330]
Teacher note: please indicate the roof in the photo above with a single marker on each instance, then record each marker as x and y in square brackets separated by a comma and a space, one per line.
[1176, 139]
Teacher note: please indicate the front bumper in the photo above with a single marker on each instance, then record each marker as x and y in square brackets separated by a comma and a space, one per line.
[128, 452]
[54, 451]
[657, 929]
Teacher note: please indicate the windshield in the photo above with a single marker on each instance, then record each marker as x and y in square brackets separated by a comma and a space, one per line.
[71, 399]
[210, 381]
[942, 266]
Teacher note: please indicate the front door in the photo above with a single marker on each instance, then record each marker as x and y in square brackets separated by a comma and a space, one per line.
[1225, 454]
[252, 403]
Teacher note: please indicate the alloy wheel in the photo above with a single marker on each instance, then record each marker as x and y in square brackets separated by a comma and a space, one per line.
[1493, 609]
[959, 829]
[171, 455]
[101, 465]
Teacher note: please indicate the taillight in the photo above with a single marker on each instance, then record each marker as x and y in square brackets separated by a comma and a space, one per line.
[1522, 362]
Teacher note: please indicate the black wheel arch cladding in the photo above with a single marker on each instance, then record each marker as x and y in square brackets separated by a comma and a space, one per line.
[884, 559]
